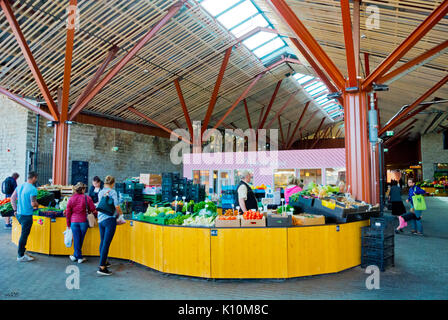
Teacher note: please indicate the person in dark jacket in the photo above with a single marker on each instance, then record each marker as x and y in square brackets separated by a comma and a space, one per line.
[415, 190]
[8, 188]
[245, 197]
[395, 198]
[95, 188]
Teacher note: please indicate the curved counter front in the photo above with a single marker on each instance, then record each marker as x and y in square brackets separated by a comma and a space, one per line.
[219, 253]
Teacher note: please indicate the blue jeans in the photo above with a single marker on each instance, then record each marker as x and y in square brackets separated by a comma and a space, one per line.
[79, 230]
[417, 223]
[26, 221]
[107, 231]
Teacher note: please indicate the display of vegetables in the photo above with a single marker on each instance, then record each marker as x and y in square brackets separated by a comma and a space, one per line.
[178, 219]
[252, 215]
[315, 191]
[5, 201]
[288, 208]
[42, 194]
[200, 221]
[63, 203]
[6, 208]
[157, 212]
[201, 205]
[188, 206]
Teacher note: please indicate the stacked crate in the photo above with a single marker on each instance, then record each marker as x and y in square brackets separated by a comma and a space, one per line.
[135, 190]
[173, 185]
[168, 180]
[228, 196]
[378, 243]
[197, 193]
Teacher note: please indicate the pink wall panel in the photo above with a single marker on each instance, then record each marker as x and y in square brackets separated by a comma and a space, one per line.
[263, 163]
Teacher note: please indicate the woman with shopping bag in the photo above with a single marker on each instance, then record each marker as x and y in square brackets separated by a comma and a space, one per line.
[109, 216]
[418, 205]
[80, 215]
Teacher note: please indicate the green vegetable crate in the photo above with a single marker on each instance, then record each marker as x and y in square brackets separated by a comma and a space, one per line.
[152, 198]
[155, 220]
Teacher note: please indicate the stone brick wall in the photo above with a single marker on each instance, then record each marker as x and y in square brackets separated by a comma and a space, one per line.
[137, 153]
[13, 139]
[432, 152]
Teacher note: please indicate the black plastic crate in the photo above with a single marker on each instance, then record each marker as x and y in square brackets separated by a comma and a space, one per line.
[377, 253]
[385, 223]
[276, 220]
[382, 264]
[120, 187]
[376, 242]
[376, 233]
[137, 197]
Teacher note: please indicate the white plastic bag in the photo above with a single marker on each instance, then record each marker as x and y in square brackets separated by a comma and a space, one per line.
[68, 237]
[120, 220]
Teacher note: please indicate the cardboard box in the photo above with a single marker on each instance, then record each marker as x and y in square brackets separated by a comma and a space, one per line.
[253, 223]
[151, 179]
[302, 220]
[228, 223]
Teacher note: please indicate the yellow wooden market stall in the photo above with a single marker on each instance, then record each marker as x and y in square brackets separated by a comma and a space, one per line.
[219, 253]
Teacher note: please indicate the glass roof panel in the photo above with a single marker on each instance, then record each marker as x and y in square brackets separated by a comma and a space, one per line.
[269, 47]
[257, 21]
[304, 79]
[216, 7]
[258, 39]
[313, 86]
[237, 14]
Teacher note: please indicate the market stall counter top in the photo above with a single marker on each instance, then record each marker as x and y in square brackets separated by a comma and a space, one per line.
[218, 253]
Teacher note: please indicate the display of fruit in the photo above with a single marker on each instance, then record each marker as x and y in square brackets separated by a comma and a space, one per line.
[227, 217]
[252, 215]
[230, 212]
[179, 204]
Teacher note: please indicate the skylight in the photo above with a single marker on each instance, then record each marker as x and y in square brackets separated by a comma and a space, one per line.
[242, 16]
[318, 90]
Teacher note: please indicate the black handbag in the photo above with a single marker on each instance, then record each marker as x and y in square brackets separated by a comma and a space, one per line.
[106, 205]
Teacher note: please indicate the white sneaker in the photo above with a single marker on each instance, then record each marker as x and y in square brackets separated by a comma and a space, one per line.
[82, 260]
[73, 258]
[25, 258]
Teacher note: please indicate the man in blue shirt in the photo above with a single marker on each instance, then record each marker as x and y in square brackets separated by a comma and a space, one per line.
[414, 190]
[24, 202]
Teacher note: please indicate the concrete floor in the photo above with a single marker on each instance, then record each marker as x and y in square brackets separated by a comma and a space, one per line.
[420, 272]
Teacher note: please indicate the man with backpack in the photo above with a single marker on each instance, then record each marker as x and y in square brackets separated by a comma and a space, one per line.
[8, 188]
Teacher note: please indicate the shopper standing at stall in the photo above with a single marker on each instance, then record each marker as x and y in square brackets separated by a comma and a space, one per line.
[108, 212]
[78, 206]
[95, 188]
[415, 190]
[246, 199]
[8, 188]
[24, 202]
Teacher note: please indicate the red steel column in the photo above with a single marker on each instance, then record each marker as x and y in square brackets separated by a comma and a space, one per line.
[60, 153]
[357, 146]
